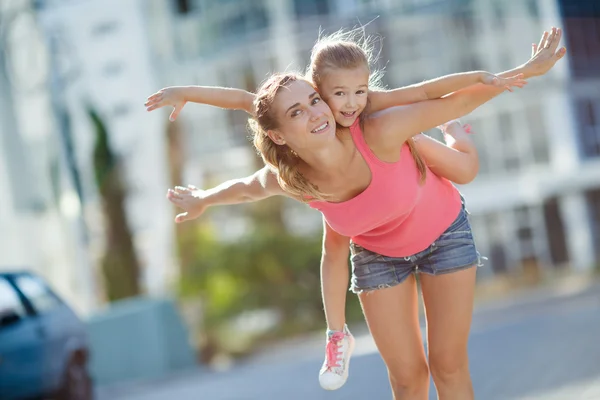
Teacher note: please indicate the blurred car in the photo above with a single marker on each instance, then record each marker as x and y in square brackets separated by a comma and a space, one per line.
[43, 344]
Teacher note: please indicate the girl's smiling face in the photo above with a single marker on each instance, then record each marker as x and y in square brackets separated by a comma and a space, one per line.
[346, 91]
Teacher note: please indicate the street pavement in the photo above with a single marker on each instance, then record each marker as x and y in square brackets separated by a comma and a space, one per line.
[544, 346]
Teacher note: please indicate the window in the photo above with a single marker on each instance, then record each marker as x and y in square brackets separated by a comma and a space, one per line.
[593, 200]
[37, 293]
[539, 138]
[310, 7]
[497, 251]
[533, 9]
[9, 299]
[588, 111]
[465, 22]
[249, 19]
[581, 25]
[507, 139]
[499, 15]
[183, 6]
[525, 232]
[555, 231]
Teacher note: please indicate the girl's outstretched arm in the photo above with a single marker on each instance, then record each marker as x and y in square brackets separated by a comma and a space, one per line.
[442, 86]
[395, 125]
[432, 89]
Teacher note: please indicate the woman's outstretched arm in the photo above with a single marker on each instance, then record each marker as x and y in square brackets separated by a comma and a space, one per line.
[178, 96]
[193, 201]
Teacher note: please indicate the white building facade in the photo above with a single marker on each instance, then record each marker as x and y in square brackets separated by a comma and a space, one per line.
[535, 204]
[73, 57]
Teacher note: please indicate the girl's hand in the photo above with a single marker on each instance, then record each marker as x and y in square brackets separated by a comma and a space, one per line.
[507, 83]
[173, 96]
[454, 129]
[455, 123]
[190, 199]
[544, 54]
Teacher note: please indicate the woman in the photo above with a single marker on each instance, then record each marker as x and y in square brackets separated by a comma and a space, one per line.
[342, 69]
[363, 181]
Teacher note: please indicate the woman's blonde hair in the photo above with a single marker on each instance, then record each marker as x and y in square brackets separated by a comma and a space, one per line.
[279, 157]
[349, 50]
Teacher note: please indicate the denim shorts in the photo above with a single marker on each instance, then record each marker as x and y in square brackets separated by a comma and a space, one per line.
[453, 251]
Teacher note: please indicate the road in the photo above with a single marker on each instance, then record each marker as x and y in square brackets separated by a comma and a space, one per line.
[542, 348]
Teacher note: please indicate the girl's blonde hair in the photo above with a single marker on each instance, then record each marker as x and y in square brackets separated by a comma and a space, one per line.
[345, 50]
[349, 50]
[279, 157]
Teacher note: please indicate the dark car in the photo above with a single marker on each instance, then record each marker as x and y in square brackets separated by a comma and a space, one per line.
[43, 344]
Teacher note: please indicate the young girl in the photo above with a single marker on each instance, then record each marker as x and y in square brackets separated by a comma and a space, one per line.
[346, 91]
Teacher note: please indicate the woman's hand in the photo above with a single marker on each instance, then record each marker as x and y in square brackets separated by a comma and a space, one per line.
[507, 83]
[190, 199]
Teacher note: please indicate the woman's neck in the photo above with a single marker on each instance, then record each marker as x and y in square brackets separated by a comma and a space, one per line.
[329, 162]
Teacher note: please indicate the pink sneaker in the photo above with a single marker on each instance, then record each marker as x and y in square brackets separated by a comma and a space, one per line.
[339, 348]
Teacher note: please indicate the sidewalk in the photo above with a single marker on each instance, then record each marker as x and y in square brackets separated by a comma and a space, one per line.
[490, 317]
[487, 313]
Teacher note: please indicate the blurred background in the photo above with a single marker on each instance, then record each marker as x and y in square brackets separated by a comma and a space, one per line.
[84, 171]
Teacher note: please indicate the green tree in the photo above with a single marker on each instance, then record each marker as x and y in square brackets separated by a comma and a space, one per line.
[120, 265]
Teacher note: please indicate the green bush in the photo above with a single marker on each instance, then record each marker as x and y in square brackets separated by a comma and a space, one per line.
[267, 269]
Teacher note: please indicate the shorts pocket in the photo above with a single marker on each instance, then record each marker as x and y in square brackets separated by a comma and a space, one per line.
[461, 223]
[455, 238]
[372, 276]
[451, 251]
[371, 270]
[362, 256]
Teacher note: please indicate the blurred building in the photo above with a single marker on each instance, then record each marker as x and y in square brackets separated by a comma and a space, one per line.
[581, 21]
[65, 60]
[536, 202]
[40, 218]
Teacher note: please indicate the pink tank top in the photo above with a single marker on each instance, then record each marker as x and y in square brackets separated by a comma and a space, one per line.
[395, 215]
